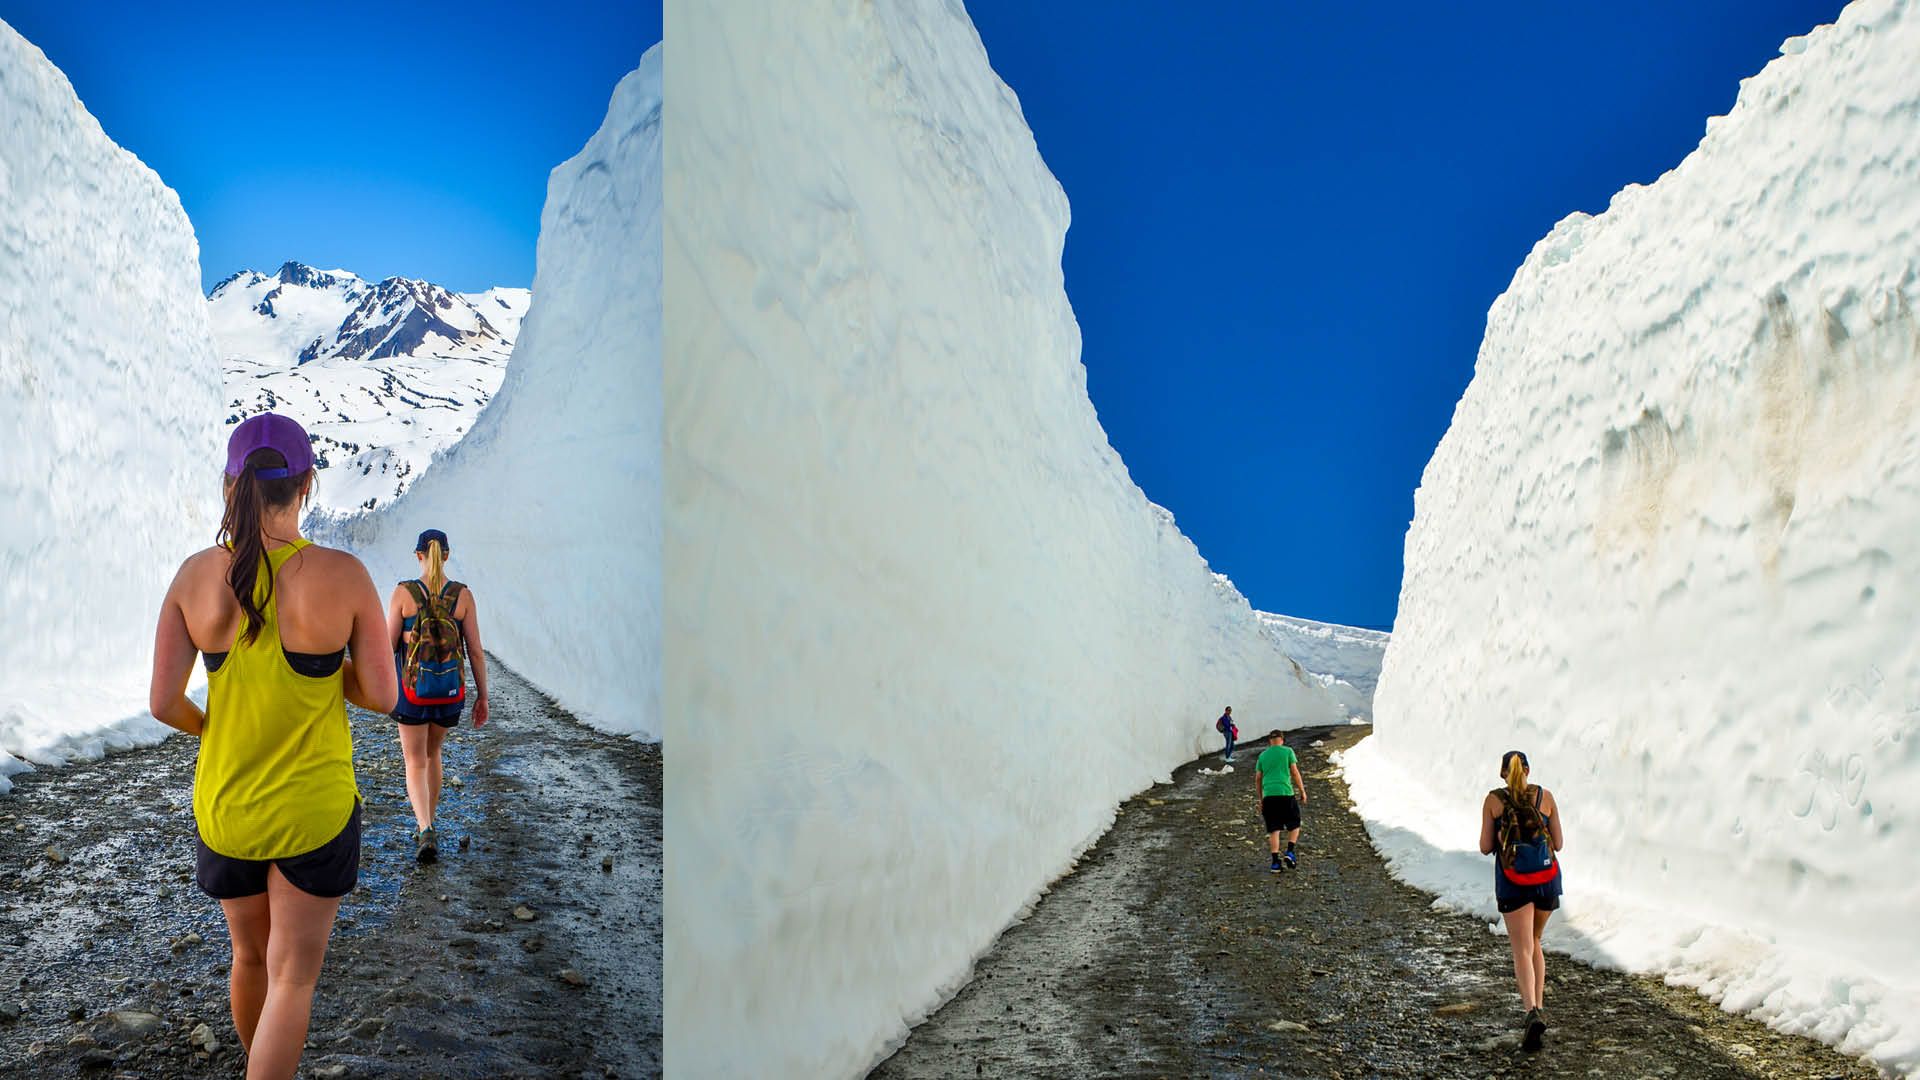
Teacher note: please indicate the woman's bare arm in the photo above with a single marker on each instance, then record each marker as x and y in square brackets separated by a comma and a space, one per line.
[396, 614]
[173, 657]
[369, 680]
[1552, 810]
[470, 635]
[1489, 814]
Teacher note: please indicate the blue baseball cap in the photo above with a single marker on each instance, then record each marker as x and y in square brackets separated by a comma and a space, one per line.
[270, 431]
[428, 537]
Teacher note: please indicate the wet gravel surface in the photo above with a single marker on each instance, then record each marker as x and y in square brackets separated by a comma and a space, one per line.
[111, 958]
[1171, 951]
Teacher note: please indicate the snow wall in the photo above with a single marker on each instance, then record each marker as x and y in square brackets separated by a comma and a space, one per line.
[551, 503]
[925, 632]
[1670, 547]
[110, 420]
[1346, 658]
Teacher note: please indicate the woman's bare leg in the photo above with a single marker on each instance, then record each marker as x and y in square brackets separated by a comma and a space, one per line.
[248, 923]
[420, 770]
[1539, 957]
[1520, 935]
[295, 951]
[436, 738]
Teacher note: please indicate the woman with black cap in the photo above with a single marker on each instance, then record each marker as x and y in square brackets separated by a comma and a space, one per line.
[434, 625]
[275, 807]
[1520, 824]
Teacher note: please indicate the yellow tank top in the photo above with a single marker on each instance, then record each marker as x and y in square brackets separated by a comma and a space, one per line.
[274, 778]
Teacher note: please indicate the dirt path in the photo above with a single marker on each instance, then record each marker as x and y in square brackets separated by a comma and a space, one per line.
[1172, 952]
[430, 972]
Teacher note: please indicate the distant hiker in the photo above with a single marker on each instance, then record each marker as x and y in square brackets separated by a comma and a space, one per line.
[1276, 773]
[435, 630]
[275, 808]
[1521, 825]
[1225, 726]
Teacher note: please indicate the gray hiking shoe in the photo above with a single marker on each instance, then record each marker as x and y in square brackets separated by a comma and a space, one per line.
[426, 845]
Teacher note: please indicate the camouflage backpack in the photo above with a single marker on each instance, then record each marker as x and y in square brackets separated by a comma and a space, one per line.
[1526, 856]
[433, 672]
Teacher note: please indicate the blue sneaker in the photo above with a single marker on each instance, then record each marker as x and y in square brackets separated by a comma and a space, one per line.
[1291, 861]
[1276, 864]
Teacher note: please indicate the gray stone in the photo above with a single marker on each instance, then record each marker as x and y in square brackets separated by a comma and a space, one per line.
[135, 1021]
[202, 1039]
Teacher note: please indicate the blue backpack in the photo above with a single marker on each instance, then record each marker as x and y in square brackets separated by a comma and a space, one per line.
[1526, 860]
[433, 672]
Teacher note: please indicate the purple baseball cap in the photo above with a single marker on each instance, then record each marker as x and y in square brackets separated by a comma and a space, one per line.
[270, 431]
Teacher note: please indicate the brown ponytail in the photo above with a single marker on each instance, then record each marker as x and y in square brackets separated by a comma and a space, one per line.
[249, 496]
[1523, 809]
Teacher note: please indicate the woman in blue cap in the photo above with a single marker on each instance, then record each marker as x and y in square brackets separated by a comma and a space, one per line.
[433, 625]
[275, 807]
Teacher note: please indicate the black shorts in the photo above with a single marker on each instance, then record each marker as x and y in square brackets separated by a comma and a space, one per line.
[1511, 904]
[451, 720]
[330, 870]
[1280, 812]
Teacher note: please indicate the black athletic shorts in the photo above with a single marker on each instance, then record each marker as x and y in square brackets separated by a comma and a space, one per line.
[451, 721]
[1281, 812]
[1515, 903]
[330, 870]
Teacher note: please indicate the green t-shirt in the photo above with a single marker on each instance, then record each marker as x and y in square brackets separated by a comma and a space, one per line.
[1275, 766]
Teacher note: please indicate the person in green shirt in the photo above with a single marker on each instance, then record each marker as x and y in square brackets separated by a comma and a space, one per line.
[1276, 772]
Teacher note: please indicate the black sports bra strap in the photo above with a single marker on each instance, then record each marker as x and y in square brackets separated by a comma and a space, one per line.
[314, 665]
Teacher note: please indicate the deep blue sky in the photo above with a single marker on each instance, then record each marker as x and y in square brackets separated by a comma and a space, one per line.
[1289, 221]
[409, 139]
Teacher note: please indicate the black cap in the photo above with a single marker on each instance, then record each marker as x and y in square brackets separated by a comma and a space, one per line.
[431, 535]
[1508, 757]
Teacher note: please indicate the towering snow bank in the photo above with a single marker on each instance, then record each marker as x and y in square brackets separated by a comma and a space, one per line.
[1346, 657]
[109, 419]
[552, 501]
[927, 632]
[1670, 546]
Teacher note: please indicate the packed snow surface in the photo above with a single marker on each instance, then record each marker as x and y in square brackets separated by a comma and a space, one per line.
[927, 632]
[383, 375]
[551, 502]
[1346, 658]
[1670, 546]
[110, 413]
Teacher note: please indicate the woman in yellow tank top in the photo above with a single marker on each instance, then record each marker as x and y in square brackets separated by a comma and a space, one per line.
[275, 808]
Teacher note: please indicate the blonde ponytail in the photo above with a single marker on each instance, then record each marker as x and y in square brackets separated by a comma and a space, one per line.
[1523, 809]
[435, 578]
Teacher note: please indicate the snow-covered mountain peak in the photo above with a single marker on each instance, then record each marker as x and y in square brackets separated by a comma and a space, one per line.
[382, 374]
[296, 273]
